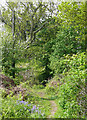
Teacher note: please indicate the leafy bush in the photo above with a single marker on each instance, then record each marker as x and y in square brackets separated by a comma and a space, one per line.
[11, 55]
[52, 87]
[66, 42]
[38, 87]
[50, 90]
[3, 93]
[72, 91]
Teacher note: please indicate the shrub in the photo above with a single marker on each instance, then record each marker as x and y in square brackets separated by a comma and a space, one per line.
[52, 87]
[38, 87]
[50, 90]
[66, 42]
[72, 91]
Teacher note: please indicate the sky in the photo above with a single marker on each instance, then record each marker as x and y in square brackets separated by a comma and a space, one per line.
[2, 2]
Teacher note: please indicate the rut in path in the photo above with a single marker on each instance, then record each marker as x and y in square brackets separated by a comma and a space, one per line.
[54, 108]
[53, 105]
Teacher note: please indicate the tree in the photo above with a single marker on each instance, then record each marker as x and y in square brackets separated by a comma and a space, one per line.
[10, 55]
[42, 49]
[71, 35]
[74, 14]
[28, 20]
[64, 44]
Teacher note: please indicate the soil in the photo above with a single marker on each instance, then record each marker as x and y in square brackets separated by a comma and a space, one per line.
[6, 82]
[8, 85]
[53, 105]
[53, 108]
[41, 94]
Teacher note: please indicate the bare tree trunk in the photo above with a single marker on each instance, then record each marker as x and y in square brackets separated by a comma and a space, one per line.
[13, 31]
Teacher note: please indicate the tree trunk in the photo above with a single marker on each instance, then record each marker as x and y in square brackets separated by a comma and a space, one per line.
[13, 66]
[13, 31]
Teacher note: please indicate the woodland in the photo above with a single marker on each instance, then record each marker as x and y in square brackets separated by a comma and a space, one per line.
[43, 60]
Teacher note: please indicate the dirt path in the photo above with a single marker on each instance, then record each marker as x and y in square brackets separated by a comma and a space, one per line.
[53, 105]
[41, 94]
[53, 108]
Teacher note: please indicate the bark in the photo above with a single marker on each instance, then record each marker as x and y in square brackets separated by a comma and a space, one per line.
[13, 31]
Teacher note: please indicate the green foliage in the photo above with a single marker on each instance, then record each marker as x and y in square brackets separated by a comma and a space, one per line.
[33, 105]
[74, 14]
[46, 45]
[41, 50]
[17, 81]
[38, 87]
[3, 93]
[10, 55]
[72, 92]
[13, 108]
[26, 27]
[64, 44]
[52, 87]
[50, 90]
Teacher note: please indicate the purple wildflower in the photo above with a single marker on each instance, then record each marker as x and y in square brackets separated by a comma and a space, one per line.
[42, 114]
[34, 106]
[25, 108]
[29, 109]
[32, 109]
[28, 104]
[36, 111]
[23, 102]
[37, 107]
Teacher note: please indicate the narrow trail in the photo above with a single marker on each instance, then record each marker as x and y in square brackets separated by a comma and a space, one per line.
[53, 108]
[53, 105]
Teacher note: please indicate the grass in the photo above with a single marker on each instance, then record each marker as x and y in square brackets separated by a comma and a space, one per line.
[43, 103]
[34, 98]
[35, 95]
[59, 111]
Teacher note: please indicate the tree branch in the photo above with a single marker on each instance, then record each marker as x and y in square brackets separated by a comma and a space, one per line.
[40, 27]
[9, 6]
[37, 8]
[2, 20]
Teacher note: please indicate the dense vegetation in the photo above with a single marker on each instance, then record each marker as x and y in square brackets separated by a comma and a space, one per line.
[43, 49]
